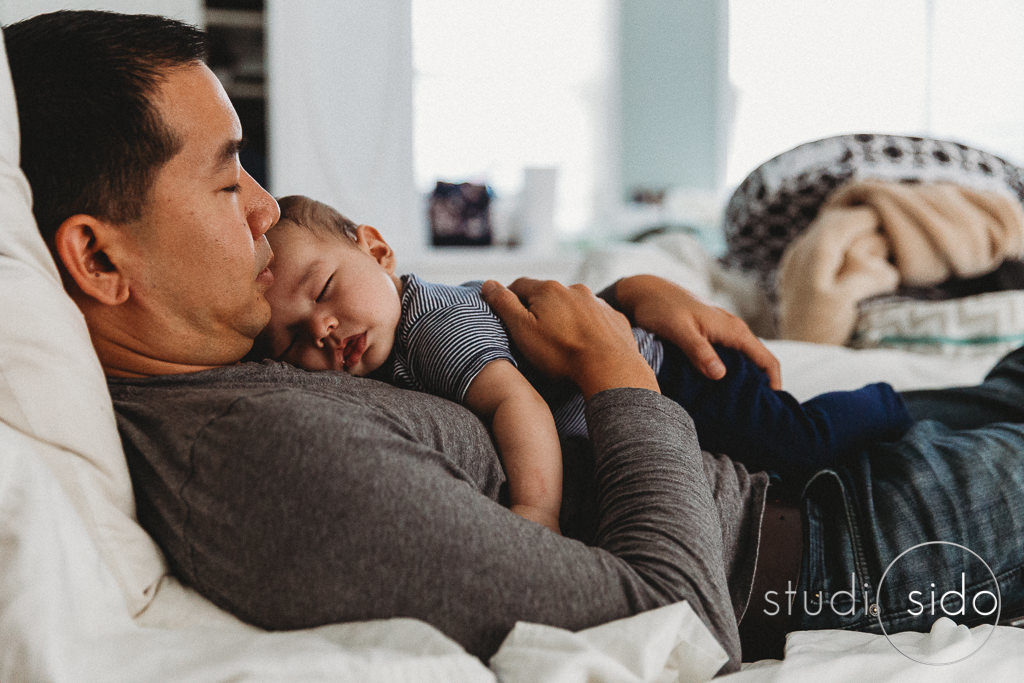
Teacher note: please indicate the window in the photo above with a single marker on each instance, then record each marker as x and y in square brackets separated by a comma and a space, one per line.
[802, 71]
[503, 85]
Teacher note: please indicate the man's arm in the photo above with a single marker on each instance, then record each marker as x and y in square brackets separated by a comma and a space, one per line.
[326, 517]
[672, 313]
[526, 438]
[567, 332]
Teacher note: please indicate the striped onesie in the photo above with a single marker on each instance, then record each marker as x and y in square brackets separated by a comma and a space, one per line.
[447, 334]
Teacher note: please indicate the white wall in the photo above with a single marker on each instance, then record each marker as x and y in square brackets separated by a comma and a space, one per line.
[339, 79]
[189, 11]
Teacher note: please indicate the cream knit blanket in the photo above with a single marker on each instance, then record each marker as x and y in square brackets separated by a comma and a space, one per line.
[872, 235]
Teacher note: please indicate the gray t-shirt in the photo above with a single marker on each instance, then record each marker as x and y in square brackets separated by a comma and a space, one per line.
[294, 499]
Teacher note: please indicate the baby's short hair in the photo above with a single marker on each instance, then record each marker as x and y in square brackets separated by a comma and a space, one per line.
[316, 217]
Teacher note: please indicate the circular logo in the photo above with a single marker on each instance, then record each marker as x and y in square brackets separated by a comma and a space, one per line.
[994, 599]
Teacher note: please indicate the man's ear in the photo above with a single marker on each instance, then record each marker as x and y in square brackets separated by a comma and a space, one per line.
[84, 244]
[372, 243]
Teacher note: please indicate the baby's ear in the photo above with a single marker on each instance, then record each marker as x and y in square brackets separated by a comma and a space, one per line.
[370, 240]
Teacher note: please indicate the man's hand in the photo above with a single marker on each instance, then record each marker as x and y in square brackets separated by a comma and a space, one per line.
[568, 332]
[672, 313]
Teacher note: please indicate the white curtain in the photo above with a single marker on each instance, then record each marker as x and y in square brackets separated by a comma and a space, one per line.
[340, 110]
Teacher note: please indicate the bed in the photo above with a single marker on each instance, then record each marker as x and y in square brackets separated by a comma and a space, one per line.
[85, 594]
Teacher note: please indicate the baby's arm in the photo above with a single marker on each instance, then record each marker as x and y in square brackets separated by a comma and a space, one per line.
[524, 433]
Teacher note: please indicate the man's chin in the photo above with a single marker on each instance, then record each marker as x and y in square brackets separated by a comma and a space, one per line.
[260, 314]
[258, 319]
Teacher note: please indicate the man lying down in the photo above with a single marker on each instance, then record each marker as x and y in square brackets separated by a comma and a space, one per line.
[294, 499]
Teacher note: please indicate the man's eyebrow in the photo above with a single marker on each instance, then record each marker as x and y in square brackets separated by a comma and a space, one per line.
[227, 153]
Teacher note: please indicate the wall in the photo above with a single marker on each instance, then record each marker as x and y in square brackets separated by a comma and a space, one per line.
[189, 11]
[340, 98]
[673, 82]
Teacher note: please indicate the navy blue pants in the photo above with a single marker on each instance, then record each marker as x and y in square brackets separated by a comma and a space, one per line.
[741, 416]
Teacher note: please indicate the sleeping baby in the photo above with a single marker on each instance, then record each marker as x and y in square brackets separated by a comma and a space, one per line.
[337, 304]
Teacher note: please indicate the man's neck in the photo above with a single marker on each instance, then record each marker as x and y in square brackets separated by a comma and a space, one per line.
[138, 366]
[119, 360]
[130, 344]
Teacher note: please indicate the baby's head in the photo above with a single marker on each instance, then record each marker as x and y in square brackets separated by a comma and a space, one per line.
[335, 301]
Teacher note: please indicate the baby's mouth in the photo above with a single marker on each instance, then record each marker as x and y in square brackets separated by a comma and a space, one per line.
[352, 349]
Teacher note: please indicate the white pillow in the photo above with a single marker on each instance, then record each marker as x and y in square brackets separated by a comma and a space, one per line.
[51, 386]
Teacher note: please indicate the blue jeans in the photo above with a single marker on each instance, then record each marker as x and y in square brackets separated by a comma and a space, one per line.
[741, 416]
[956, 476]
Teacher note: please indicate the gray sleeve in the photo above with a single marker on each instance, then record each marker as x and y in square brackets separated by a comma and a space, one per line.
[319, 520]
[658, 517]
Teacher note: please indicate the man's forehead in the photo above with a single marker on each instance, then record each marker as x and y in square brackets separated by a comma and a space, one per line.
[195, 107]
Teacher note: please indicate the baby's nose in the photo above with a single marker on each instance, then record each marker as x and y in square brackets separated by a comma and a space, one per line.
[323, 327]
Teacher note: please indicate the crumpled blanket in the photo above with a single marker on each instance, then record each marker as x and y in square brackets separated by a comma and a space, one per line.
[669, 643]
[873, 235]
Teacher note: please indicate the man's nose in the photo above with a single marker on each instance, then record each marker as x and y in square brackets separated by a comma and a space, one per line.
[261, 210]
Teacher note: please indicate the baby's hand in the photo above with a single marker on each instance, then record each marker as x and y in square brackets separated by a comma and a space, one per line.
[539, 515]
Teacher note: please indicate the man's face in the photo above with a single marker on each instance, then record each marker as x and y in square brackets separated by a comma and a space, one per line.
[198, 256]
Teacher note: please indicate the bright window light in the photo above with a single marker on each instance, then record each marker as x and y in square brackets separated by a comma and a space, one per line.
[507, 84]
[802, 70]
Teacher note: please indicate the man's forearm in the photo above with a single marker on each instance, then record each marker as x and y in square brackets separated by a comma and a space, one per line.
[656, 507]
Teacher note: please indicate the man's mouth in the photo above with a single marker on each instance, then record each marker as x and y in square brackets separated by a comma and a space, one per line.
[351, 350]
[266, 276]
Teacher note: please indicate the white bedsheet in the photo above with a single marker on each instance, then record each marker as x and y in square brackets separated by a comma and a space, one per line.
[816, 656]
[810, 369]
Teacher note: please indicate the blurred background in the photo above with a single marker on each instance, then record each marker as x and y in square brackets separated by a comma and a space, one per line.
[580, 122]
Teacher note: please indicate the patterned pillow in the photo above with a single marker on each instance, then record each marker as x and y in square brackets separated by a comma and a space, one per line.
[781, 197]
[984, 324]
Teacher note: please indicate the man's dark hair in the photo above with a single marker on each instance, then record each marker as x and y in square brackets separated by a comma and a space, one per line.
[91, 139]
